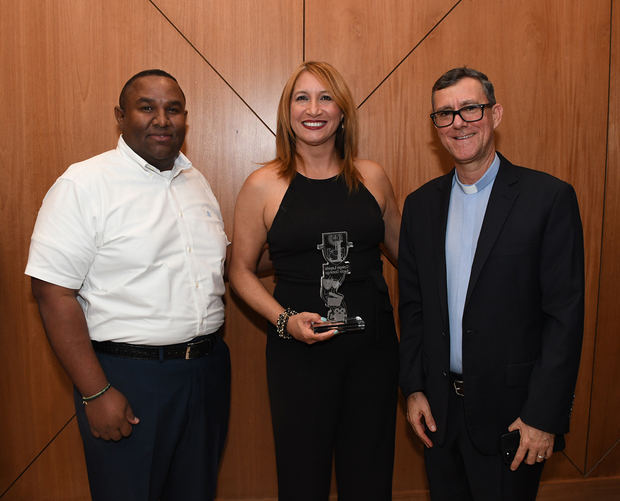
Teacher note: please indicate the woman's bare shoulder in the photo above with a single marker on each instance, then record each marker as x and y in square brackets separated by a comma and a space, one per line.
[265, 174]
[265, 178]
[368, 167]
[373, 174]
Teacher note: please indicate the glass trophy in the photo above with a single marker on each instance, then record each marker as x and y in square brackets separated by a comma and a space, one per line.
[335, 248]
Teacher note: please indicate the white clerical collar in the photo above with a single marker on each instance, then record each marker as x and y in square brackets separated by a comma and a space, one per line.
[483, 182]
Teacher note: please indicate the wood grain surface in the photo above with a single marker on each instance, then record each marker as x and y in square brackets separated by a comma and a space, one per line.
[555, 66]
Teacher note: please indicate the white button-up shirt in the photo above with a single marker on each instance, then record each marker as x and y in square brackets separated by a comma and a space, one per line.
[144, 248]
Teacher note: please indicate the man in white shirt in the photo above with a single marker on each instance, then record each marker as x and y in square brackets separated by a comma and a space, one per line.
[127, 260]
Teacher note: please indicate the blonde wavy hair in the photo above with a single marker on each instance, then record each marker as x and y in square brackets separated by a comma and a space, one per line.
[346, 135]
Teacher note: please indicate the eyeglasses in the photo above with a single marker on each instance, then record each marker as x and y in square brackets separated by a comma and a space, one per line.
[469, 113]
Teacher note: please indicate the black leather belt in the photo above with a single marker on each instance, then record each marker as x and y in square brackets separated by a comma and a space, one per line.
[457, 383]
[196, 348]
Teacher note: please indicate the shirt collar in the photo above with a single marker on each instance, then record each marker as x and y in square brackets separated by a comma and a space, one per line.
[483, 182]
[180, 163]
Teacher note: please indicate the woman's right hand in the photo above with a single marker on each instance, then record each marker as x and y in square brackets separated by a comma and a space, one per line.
[300, 327]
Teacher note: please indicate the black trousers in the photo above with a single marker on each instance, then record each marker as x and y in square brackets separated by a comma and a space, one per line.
[174, 452]
[336, 398]
[458, 472]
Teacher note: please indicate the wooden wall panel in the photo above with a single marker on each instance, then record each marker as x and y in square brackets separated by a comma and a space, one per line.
[58, 474]
[605, 407]
[248, 468]
[607, 489]
[607, 465]
[68, 60]
[37, 140]
[366, 40]
[254, 45]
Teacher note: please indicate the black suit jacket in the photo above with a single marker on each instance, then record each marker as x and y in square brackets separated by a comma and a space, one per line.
[523, 316]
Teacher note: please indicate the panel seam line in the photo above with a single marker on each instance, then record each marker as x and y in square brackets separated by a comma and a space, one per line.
[37, 456]
[435, 26]
[602, 242]
[211, 66]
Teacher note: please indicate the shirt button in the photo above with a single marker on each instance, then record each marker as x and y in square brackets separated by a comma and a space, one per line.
[181, 214]
[444, 374]
[443, 333]
[189, 250]
[197, 285]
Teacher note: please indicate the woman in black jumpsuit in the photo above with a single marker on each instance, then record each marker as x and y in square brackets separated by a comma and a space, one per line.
[324, 215]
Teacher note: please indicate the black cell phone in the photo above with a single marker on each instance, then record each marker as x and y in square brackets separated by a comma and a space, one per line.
[508, 444]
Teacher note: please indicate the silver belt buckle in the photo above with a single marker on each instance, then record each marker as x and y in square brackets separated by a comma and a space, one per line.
[188, 350]
[458, 387]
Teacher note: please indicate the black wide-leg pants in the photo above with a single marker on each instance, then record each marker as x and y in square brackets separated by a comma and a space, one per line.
[334, 400]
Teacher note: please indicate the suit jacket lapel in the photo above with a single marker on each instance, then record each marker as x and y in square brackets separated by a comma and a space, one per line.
[501, 201]
[439, 241]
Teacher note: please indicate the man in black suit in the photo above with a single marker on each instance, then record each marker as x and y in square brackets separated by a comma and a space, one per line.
[491, 279]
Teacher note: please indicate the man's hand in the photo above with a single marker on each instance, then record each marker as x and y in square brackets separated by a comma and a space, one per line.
[535, 445]
[110, 416]
[419, 414]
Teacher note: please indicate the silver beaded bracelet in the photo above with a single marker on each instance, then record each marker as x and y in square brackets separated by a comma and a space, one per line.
[283, 321]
